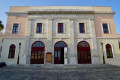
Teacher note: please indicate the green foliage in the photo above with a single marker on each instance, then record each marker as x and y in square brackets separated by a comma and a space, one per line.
[1, 26]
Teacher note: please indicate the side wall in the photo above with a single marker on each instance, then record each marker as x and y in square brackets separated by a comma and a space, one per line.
[99, 19]
[5, 50]
[115, 49]
[22, 21]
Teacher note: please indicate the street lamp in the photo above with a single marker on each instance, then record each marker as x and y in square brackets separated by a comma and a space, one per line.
[19, 53]
[103, 54]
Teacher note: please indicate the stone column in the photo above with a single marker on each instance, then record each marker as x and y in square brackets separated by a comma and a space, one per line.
[49, 37]
[94, 50]
[26, 56]
[71, 48]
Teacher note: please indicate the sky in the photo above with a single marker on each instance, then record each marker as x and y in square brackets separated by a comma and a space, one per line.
[115, 5]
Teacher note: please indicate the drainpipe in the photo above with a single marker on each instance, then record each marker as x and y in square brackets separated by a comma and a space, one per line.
[19, 53]
[103, 54]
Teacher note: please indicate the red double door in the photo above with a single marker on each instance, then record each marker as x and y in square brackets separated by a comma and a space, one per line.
[37, 55]
[84, 55]
[59, 55]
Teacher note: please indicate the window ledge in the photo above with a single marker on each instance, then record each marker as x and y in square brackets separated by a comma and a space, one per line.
[14, 33]
[83, 33]
[10, 58]
[110, 58]
[39, 33]
[60, 33]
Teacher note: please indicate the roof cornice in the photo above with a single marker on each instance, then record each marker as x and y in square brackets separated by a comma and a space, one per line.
[57, 12]
[17, 13]
[68, 12]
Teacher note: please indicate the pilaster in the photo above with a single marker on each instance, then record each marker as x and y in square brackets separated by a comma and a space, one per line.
[72, 56]
[49, 45]
[94, 50]
[26, 56]
[49, 36]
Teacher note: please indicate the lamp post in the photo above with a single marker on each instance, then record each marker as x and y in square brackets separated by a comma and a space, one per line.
[119, 45]
[103, 54]
[19, 53]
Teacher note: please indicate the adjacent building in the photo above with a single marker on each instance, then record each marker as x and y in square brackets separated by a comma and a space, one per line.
[60, 35]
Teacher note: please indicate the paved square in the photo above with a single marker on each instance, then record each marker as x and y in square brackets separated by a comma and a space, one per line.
[80, 72]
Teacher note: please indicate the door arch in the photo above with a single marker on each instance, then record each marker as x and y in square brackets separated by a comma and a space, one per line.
[59, 52]
[83, 53]
[37, 53]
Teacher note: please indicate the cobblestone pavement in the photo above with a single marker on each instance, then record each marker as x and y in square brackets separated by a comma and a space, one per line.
[36, 73]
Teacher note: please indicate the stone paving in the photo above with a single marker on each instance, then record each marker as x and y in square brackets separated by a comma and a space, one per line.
[58, 73]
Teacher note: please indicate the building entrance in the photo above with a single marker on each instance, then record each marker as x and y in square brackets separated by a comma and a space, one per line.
[37, 53]
[83, 52]
[59, 52]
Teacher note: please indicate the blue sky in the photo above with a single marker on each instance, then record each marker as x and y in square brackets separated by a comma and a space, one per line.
[115, 4]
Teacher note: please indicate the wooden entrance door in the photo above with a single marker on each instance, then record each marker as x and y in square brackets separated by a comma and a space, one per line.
[84, 54]
[59, 52]
[37, 53]
[57, 55]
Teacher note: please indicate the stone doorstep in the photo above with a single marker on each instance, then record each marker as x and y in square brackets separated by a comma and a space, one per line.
[63, 67]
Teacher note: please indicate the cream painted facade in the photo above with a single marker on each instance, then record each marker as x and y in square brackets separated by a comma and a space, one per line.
[70, 16]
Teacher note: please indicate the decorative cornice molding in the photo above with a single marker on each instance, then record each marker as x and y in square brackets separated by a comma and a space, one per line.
[107, 38]
[57, 12]
[38, 38]
[61, 38]
[68, 12]
[14, 37]
[82, 38]
[17, 13]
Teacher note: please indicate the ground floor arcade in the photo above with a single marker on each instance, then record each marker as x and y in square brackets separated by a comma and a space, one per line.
[60, 53]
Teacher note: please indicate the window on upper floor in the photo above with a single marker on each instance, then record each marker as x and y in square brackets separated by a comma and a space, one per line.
[81, 28]
[15, 28]
[109, 51]
[39, 28]
[60, 27]
[11, 51]
[105, 28]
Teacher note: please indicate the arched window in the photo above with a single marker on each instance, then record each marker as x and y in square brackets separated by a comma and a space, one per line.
[60, 44]
[109, 51]
[11, 51]
[83, 44]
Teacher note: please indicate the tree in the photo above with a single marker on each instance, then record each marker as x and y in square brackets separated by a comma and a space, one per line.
[1, 26]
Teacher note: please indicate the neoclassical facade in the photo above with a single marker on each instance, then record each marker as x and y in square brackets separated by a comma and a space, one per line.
[60, 35]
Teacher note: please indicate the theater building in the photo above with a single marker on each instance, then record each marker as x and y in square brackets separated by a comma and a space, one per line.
[60, 35]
